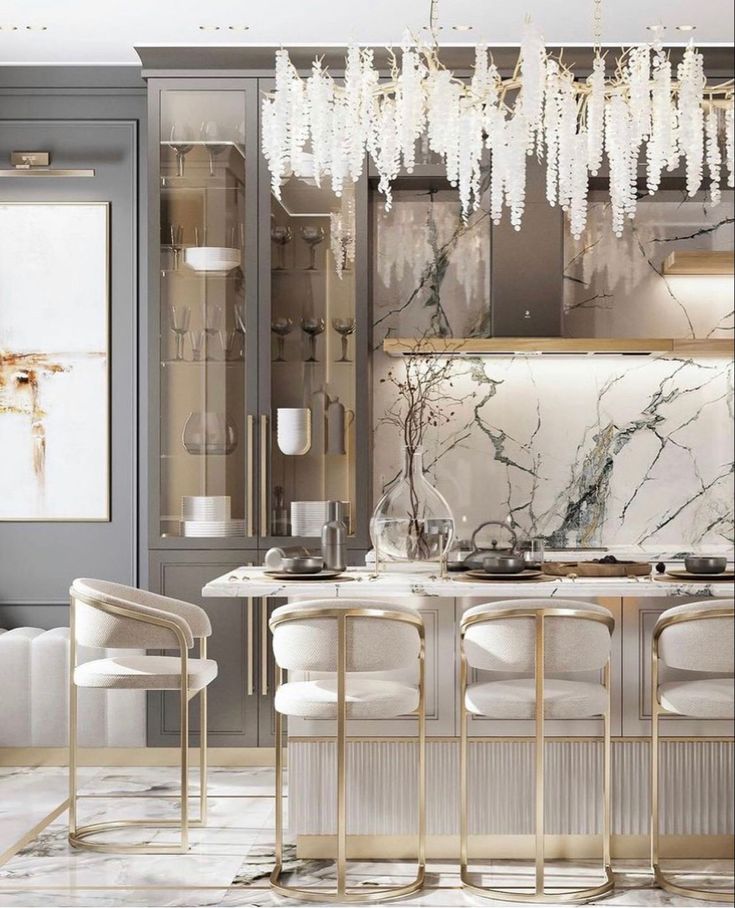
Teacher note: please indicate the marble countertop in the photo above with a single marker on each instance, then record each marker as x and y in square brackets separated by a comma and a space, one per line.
[252, 582]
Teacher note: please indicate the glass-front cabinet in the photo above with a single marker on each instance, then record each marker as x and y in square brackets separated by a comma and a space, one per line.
[259, 331]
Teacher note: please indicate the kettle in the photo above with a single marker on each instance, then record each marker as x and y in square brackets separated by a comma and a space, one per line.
[476, 559]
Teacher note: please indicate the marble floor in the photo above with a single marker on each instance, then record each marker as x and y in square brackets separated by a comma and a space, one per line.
[229, 861]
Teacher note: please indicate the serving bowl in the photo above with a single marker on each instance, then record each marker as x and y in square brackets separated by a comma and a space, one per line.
[302, 564]
[504, 564]
[705, 564]
[219, 259]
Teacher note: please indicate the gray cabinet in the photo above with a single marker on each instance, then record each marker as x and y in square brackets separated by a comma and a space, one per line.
[233, 704]
[248, 315]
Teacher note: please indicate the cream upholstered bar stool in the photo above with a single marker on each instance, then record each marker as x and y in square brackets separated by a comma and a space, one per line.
[536, 636]
[695, 637]
[355, 642]
[114, 616]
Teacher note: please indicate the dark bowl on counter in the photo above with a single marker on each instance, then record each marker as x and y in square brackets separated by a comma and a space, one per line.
[504, 564]
[705, 564]
[302, 564]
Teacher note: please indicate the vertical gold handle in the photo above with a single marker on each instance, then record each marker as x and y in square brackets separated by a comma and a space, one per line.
[250, 645]
[250, 468]
[264, 647]
[264, 440]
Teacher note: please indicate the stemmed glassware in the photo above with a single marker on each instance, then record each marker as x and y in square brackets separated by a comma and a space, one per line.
[198, 341]
[312, 236]
[212, 324]
[344, 327]
[240, 318]
[180, 149]
[281, 327]
[180, 317]
[230, 342]
[177, 244]
[209, 133]
[312, 328]
[281, 236]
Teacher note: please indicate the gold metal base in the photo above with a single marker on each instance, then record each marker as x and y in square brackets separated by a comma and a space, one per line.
[711, 895]
[527, 896]
[79, 838]
[378, 894]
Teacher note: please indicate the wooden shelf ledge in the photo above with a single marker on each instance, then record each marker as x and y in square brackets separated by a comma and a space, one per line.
[701, 262]
[510, 346]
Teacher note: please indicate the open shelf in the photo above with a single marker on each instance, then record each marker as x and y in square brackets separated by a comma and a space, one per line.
[701, 262]
[505, 346]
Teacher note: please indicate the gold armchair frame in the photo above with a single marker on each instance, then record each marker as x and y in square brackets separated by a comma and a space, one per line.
[79, 835]
[343, 893]
[541, 894]
[656, 711]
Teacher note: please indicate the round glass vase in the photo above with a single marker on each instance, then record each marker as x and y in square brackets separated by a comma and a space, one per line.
[412, 522]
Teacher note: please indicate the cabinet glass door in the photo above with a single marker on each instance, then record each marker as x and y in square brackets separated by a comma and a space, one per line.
[314, 333]
[206, 432]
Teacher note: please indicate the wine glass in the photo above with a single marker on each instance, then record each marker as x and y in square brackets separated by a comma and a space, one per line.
[281, 327]
[175, 238]
[344, 327]
[180, 317]
[240, 318]
[181, 150]
[281, 236]
[312, 328]
[312, 236]
[230, 342]
[209, 133]
[198, 341]
[212, 325]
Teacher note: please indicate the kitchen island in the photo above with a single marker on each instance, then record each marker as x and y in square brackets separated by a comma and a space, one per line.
[697, 757]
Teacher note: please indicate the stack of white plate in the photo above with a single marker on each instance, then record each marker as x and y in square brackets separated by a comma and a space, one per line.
[213, 527]
[209, 515]
[205, 507]
[308, 517]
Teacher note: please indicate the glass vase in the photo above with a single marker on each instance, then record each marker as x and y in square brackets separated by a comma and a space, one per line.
[412, 521]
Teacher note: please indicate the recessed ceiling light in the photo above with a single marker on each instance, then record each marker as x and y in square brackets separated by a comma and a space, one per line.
[238, 28]
[656, 28]
[209, 28]
[685, 28]
[428, 28]
[36, 28]
[8, 28]
[462, 28]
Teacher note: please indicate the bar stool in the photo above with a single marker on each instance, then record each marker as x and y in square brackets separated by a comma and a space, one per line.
[693, 637]
[114, 616]
[343, 637]
[536, 635]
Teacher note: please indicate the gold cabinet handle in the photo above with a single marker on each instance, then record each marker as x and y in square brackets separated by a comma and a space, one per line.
[250, 469]
[250, 645]
[264, 647]
[264, 445]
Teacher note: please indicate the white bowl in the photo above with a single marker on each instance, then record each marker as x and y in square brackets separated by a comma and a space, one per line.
[212, 258]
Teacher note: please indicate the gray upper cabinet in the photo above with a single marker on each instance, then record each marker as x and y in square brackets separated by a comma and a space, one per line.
[259, 304]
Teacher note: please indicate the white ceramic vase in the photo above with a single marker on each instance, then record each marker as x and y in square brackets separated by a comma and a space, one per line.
[293, 425]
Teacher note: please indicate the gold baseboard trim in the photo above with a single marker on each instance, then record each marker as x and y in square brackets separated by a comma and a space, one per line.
[518, 847]
[134, 756]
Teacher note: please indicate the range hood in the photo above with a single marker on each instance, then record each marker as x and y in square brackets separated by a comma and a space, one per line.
[527, 316]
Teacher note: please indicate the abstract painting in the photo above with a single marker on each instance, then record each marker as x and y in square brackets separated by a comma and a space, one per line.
[54, 381]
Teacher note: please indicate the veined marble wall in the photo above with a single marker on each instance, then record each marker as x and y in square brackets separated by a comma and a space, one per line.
[583, 450]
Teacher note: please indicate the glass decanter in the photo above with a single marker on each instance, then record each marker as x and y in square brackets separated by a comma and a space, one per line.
[412, 521]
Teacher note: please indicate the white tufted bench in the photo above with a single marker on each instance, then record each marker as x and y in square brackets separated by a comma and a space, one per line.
[34, 704]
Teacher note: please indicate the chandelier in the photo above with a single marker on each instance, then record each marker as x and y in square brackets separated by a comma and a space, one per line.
[641, 109]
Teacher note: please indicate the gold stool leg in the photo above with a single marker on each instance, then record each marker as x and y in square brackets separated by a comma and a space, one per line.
[203, 742]
[72, 724]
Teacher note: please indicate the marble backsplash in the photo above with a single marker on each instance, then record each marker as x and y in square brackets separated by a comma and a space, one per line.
[604, 450]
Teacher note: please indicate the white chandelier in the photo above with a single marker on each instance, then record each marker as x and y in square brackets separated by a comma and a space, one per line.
[645, 109]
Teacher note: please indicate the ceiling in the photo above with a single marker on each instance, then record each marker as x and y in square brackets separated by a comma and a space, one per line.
[106, 31]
